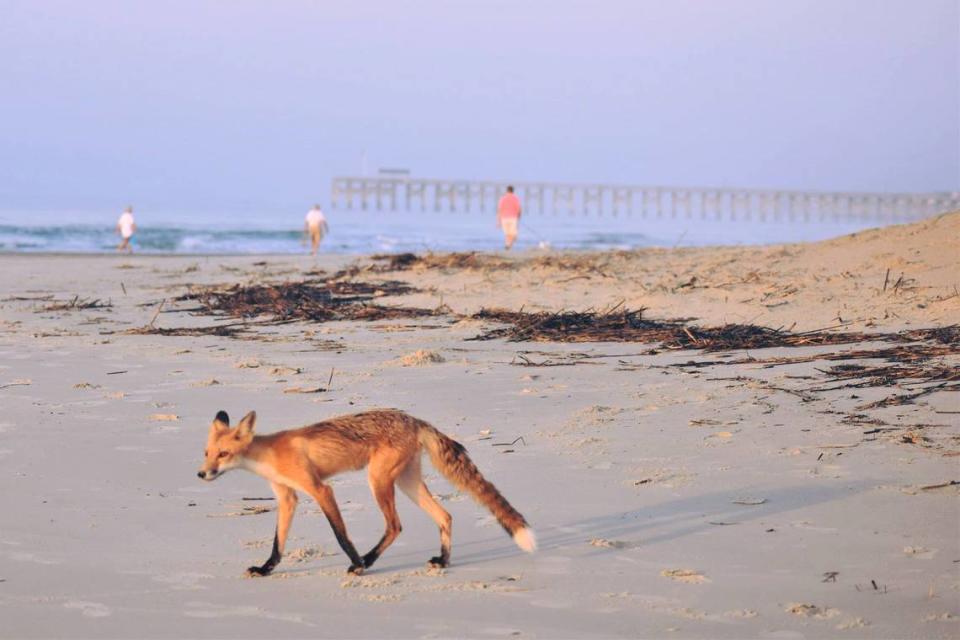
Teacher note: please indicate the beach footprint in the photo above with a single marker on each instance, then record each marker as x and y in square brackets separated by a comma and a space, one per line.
[211, 610]
[184, 580]
[89, 609]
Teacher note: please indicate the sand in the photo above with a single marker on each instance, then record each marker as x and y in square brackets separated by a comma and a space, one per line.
[705, 502]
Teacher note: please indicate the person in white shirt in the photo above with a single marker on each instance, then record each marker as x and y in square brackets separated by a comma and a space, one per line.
[315, 226]
[125, 228]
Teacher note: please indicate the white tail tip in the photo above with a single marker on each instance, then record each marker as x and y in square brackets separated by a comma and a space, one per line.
[525, 539]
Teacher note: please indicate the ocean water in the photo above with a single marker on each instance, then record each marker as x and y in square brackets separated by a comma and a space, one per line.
[363, 232]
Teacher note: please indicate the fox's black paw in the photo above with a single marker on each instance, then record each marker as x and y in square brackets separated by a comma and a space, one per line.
[257, 572]
[355, 569]
[437, 562]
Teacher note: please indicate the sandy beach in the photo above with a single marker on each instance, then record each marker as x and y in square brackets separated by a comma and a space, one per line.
[677, 490]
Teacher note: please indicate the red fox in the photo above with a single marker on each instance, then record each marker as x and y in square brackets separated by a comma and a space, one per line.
[389, 442]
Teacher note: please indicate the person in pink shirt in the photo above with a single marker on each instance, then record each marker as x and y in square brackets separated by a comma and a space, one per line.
[508, 216]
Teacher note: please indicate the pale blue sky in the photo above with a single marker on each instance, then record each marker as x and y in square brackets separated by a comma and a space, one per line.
[200, 105]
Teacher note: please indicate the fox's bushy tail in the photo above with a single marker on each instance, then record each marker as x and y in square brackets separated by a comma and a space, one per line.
[451, 459]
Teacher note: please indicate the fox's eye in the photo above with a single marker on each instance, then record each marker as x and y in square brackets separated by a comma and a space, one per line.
[223, 454]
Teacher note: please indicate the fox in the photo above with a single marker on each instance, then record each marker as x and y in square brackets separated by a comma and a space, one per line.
[388, 442]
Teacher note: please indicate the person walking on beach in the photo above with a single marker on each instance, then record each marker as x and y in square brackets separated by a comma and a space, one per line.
[125, 228]
[508, 216]
[315, 226]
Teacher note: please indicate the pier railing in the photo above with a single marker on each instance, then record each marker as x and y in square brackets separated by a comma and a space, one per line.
[405, 193]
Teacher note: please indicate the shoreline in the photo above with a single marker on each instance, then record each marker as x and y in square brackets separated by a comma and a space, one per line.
[524, 252]
[418, 233]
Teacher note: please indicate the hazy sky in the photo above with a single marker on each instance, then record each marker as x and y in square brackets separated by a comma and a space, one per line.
[237, 104]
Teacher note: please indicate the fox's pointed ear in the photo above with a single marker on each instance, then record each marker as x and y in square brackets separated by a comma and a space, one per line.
[221, 422]
[245, 428]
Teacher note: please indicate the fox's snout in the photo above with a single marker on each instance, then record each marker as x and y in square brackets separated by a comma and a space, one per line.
[203, 474]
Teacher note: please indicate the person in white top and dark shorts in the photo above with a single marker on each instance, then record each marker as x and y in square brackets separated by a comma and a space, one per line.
[126, 227]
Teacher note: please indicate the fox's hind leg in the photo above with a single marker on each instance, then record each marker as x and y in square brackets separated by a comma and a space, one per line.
[382, 474]
[286, 505]
[412, 484]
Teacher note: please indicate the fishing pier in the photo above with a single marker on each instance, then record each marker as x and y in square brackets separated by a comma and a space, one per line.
[394, 190]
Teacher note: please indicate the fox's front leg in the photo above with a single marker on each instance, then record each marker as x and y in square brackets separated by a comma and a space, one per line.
[323, 494]
[286, 505]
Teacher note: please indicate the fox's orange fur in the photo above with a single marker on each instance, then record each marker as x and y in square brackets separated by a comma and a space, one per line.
[388, 442]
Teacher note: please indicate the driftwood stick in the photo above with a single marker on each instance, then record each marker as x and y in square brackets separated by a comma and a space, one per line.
[156, 313]
[508, 444]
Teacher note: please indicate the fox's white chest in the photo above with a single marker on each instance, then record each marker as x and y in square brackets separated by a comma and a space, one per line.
[270, 473]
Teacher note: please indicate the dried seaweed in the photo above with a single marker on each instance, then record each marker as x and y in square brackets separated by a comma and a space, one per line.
[914, 360]
[456, 260]
[395, 261]
[917, 358]
[224, 330]
[908, 398]
[77, 303]
[307, 300]
[625, 325]
[888, 375]
[384, 262]
[910, 352]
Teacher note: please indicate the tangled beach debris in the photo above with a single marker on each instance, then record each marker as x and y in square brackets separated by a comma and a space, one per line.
[914, 360]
